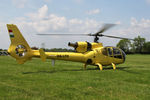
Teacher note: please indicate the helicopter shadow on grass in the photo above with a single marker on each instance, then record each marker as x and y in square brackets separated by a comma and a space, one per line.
[56, 71]
[88, 69]
[51, 71]
[128, 70]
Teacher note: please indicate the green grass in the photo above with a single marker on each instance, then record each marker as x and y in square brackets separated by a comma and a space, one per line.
[36, 80]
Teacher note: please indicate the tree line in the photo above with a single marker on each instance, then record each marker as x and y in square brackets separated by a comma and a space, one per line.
[138, 45]
[55, 49]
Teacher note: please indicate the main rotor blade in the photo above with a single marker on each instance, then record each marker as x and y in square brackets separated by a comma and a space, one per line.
[66, 34]
[104, 28]
[116, 37]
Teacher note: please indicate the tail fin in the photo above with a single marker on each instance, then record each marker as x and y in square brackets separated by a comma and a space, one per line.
[19, 48]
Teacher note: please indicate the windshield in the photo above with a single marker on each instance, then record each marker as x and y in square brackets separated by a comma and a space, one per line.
[123, 55]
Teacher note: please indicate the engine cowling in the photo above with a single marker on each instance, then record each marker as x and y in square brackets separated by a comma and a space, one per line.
[82, 47]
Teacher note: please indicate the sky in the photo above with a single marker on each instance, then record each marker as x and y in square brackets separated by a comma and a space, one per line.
[132, 18]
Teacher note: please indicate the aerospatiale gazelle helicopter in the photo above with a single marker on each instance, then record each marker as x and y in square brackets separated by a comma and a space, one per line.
[87, 53]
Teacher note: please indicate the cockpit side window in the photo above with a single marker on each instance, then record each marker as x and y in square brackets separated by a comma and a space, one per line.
[104, 51]
[110, 52]
[117, 53]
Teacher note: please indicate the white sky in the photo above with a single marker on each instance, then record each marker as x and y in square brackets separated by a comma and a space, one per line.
[73, 16]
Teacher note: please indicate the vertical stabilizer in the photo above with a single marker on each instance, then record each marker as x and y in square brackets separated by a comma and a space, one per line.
[19, 48]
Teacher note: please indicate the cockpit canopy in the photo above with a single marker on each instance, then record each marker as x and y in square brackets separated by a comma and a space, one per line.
[113, 52]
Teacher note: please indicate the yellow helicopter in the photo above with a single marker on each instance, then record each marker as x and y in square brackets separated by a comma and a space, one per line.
[87, 53]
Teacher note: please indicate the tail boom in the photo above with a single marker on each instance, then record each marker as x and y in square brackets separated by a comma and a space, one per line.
[21, 51]
[69, 56]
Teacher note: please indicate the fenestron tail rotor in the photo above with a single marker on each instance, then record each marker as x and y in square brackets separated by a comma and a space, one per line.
[96, 35]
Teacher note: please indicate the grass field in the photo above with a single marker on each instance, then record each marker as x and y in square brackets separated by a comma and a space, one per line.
[36, 80]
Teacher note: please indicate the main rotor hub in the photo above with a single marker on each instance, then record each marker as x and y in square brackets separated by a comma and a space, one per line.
[96, 39]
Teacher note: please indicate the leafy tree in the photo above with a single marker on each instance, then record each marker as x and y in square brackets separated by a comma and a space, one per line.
[125, 45]
[146, 47]
[132, 50]
[138, 44]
